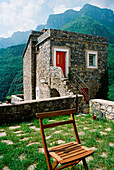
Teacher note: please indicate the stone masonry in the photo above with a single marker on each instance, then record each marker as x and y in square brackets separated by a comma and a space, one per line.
[41, 76]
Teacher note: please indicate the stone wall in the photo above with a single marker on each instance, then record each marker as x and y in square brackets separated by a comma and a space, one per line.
[17, 98]
[26, 110]
[78, 45]
[29, 66]
[102, 108]
[42, 66]
[39, 58]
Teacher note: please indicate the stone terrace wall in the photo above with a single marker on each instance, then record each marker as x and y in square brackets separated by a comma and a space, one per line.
[102, 108]
[26, 110]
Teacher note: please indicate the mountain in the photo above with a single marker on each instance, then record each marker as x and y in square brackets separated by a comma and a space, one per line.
[57, 21]
[89, 20]
[15, 39]
[11, 71]
[87, 25]
[103, 16]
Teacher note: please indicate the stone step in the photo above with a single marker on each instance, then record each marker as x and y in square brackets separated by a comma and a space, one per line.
[86, 110]
[86, 105]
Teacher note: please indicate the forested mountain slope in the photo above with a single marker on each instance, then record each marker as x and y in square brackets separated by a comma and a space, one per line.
[11, 71]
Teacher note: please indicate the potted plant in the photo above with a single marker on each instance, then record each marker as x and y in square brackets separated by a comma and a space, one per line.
[92, 112]
[9, 99]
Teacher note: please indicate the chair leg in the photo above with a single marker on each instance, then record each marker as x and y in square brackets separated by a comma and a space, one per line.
[85, 164]
[54, 165]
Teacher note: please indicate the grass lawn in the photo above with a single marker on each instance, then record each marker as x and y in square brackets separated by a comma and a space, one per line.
[21, 144]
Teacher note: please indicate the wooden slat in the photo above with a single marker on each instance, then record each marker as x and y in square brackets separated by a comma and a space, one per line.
[55, 113]
[67, 165]
[55, 156]
[70, 152]
[74, 154]
[87, 153]
[57, 124]
[62, 146]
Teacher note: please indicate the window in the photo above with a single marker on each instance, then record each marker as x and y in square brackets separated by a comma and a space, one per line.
[92, 59]
[37, 92]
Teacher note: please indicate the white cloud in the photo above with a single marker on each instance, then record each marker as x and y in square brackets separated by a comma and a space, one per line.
[60, 9]
[77, 8]
[20, 15]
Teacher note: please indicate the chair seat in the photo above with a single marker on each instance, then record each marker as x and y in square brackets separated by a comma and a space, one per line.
[69, 152]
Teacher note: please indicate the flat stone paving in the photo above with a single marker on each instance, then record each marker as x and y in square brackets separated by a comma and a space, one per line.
[2, 134]
[15, 130]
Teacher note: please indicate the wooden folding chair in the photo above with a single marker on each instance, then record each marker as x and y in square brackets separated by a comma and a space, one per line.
[68, 154]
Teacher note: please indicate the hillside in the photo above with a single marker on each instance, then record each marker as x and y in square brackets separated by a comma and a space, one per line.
[11, 64]
[89, 20]
[57, 21]
[16, 39]
[87, 25]
[111, 71]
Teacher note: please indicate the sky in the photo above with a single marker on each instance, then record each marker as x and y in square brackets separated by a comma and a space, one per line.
[23, 15]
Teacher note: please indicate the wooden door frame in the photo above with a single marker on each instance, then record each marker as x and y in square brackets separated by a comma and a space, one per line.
[66, 59]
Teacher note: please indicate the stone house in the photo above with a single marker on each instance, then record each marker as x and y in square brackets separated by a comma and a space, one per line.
[60, 63]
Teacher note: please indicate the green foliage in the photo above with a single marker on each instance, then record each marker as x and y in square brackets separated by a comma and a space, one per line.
[8, 97]
[11, 64]
[19, 156]
[111, 71]
[87, 25]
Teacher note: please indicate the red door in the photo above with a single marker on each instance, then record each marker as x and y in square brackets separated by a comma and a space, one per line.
[60, 60]
[85, 93]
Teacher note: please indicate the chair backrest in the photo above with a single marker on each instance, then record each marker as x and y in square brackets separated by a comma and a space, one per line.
[40, 116]
[71, 112]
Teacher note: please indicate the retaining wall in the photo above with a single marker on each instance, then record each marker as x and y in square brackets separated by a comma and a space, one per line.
[102, 108]
[26, 110]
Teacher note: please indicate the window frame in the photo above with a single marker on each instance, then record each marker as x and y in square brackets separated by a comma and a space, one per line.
[95, 59]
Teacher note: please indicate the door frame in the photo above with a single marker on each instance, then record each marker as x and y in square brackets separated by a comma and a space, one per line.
[66, 59]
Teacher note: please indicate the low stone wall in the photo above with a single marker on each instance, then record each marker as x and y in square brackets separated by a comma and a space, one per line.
[102, 108]
[26, 110]
[17, 98]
